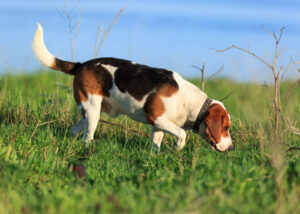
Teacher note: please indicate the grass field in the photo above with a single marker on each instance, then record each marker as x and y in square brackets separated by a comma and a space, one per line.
[123, 176]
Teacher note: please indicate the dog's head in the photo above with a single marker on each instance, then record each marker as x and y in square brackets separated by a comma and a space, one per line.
[216, 128]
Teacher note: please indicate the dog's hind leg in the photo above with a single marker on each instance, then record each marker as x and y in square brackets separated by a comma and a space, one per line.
[91, 109]
[78, 127]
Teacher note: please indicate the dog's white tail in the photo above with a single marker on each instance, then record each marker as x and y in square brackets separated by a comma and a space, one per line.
[46, 58]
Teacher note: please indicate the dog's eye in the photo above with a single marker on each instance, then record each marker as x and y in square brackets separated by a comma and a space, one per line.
[226, 128]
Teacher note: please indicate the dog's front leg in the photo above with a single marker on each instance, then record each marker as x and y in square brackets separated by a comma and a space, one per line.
[170, 127]
[156, 138]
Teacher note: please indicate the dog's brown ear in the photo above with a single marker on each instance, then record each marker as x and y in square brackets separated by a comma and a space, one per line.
[216, 123]
[213, 128]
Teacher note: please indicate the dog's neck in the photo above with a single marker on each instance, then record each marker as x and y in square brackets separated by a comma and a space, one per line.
[194, 104]
[195, 108]
[201, 115]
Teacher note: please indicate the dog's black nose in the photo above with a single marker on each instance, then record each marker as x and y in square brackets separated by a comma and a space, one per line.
[230, 148]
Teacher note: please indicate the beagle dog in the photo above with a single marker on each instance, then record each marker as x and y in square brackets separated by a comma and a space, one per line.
[149, 95]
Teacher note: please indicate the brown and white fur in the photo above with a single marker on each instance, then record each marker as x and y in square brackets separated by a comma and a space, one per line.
[149, 95]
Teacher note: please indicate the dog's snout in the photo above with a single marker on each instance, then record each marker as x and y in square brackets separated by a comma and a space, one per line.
[231, 147]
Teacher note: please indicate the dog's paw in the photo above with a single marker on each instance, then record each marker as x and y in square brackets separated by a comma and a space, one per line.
[87, 142]
[155, 149]
[179, 147]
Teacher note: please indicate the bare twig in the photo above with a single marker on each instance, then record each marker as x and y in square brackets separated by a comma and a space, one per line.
[96, 49]
[123, 127]
[32, 148]
[202, 70]
[289, 125]
[277, 40]
[202, 74]
[293, 148]
[105, 34]
[280, 35]
[228, 95]
[281, 51]
[195, 66]
[214, 74]
[48, 122]
[266, 30]
[202, 77]
[246, 51]
[67, 15]
[288, 68]
[37, 125]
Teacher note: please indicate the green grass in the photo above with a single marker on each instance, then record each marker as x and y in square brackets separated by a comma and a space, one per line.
[122, 175]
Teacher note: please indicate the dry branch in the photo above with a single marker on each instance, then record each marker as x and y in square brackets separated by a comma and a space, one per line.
[246, 51]
[228, 95]
[105, 34]
[293, 148]
[202, 70]
[288, 68]
[214, 74]
[289, 125]
[96, 48]
[202, 74]
[123, 127]
[38, 125]
[277, 79]
[67, 15]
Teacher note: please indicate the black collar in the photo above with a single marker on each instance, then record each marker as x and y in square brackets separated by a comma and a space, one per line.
[201, 116]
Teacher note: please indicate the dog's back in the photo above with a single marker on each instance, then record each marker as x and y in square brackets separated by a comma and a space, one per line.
[136, 90]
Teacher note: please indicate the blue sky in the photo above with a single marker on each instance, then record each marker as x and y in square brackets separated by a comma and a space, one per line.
[170, 34]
